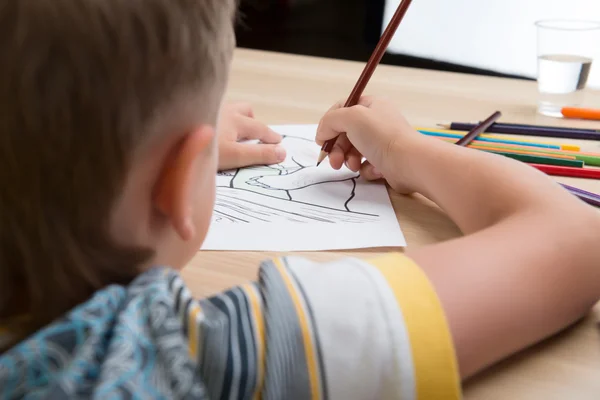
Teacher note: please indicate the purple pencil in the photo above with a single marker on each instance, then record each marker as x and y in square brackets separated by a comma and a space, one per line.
[588, 197]
[530, 130]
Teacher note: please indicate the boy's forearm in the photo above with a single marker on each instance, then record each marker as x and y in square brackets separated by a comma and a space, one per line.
[478, 189]
[528, 266]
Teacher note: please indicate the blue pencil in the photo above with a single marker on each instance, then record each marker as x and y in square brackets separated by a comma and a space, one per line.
[483, 139]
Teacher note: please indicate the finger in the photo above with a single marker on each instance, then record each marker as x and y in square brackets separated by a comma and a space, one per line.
[334, 123]
[336, 157]
[366, 101]
[369, 172]
[243, 108]
[336, 106]
[238, 155]
[356, 121]
[342, 146]
[353, 160]
[250, 129]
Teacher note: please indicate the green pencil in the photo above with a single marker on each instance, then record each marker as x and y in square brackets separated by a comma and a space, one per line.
[540, 159]
[587, 159]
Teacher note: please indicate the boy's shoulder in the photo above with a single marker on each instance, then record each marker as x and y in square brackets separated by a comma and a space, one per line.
[123, 340]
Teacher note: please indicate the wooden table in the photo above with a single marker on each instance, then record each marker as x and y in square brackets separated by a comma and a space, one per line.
[287, 89]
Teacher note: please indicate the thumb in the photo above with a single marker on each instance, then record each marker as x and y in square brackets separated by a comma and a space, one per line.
[369, 172]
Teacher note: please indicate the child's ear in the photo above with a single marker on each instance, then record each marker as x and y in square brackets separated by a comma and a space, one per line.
[173, 192]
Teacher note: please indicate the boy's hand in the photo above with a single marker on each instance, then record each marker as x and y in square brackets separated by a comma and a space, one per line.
[237, 123]
[373, 129]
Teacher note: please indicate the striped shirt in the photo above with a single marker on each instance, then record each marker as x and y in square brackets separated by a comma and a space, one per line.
[343, 330]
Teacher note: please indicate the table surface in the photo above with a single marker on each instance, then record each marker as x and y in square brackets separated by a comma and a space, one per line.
[287, 89]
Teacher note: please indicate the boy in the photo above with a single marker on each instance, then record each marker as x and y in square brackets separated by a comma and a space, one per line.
[107, 173]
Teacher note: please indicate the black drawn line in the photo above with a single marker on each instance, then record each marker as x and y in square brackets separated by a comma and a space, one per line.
[296, 137]
[255, 210]
[280, 210]
[298, 164]
[275, 209]
[305, 203]
[265, 186]
[247, 210]
[237, 171]
[231, 217]
[240, 210]
[352, 195]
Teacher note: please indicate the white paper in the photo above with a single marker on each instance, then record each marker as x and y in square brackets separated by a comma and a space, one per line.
[295, 206]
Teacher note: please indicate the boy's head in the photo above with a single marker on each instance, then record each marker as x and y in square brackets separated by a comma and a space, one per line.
[107, 160]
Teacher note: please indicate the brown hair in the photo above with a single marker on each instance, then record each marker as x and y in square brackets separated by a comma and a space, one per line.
[80, 82]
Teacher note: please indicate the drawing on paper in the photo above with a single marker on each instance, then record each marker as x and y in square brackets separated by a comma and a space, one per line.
[292, 191]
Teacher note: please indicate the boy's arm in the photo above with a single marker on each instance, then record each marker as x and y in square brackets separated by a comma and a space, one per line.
[529, 264]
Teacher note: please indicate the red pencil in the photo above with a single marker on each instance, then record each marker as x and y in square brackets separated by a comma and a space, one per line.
[568, 171]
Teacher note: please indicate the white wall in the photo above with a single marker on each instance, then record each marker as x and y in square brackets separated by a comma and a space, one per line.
[497, 35]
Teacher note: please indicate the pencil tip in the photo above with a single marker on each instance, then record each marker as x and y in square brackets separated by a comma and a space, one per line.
[322, 156]
[445, 126]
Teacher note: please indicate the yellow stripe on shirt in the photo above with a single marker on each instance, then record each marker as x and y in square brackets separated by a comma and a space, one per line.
[258, 318]
[309, 348]
[436, 369]
[193, 329]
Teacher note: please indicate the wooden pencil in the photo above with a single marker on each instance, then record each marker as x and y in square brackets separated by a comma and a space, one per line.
[478, 130]
[581, 113]
[524, 157]
[529, 159]
[530, 130]
[588, 159]
[499, 139]
[590, 198]
[586, 173]
[513, 151]
[369, 69]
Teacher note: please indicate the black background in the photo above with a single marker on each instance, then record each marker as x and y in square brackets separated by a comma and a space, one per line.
[345, 29]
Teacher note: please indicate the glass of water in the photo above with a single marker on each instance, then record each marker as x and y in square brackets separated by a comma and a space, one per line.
[566, 50]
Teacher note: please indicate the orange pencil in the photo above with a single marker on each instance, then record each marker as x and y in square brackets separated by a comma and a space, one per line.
[528, 153]
[581, 113]
[506, 149]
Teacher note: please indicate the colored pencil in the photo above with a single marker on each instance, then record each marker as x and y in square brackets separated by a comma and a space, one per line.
[581, 113]
[588, 197]
[524, 141]
[530, 130]
[490, 139]
[587, 173]
[592, 160]
[513, 151]
[478, 130]
[529, 159]
[375, 59]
